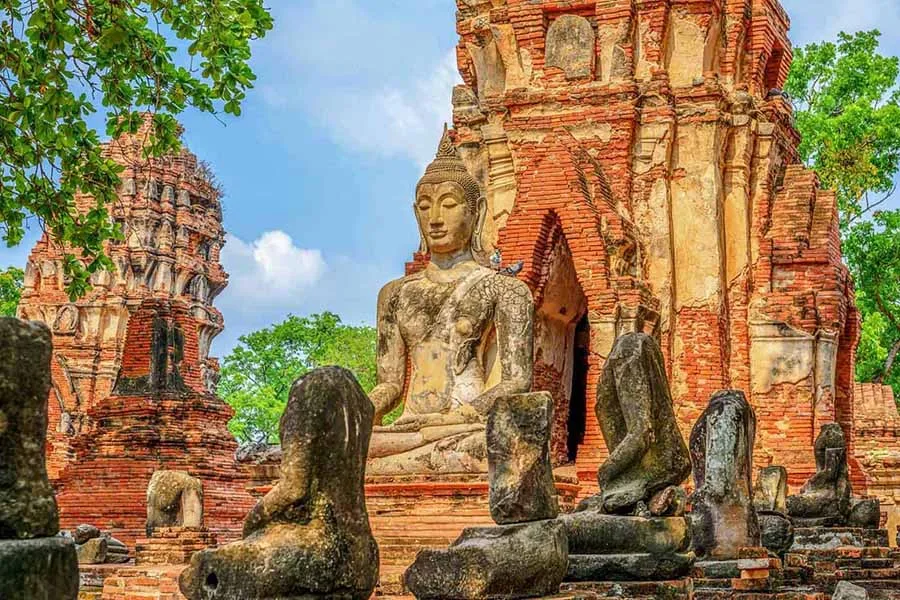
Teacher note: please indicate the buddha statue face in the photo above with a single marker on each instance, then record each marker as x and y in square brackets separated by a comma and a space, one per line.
[446, 220]
[450, 207]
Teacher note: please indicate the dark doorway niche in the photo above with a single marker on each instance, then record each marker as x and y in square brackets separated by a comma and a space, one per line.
[578, 404]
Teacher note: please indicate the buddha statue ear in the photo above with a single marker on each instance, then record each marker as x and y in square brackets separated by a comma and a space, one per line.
[480, 217]
[423, 243]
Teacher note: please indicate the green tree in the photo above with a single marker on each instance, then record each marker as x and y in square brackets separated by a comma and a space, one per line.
[62, 60]
[848, 112]
[258, 374]
[11, 280]
[873, 248]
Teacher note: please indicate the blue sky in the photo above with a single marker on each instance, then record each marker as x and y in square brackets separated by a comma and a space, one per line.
[319, 171]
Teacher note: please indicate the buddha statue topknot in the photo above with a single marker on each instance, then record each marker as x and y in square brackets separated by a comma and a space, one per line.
[465, 330]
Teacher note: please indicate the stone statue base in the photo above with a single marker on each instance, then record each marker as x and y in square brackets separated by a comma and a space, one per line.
[509, 561]
[629, 567]
[286, 561]
[830, 538]
[414, 513]
[621, 548]
[679, 589]
[38, 569]
[173, 545]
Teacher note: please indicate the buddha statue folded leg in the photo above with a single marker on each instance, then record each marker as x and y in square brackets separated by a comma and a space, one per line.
[432, 450]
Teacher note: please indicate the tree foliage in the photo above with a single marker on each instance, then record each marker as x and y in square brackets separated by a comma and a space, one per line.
[63, 60]
[872, 248]
[11, 280]
[848, 112]
[258, 374]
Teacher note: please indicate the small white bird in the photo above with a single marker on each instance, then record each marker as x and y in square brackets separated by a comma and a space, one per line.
[496, 259]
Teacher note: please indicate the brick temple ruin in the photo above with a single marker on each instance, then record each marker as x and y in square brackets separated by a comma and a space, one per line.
[133, 382]
[639, 160]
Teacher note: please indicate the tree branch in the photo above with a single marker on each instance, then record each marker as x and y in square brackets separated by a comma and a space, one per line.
[888, 363]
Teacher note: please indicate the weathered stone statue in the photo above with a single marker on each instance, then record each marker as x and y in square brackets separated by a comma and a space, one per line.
[527, 554]
[723, 519]
[518, 443]
[825, 498]
[634, 529]
[174, 499]
[770, 501]
[443, 320]
[35, 563]
[309, 537]
[634, 407]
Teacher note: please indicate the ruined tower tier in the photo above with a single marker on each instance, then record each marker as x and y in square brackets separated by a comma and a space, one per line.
[639, 157]
[133, 382]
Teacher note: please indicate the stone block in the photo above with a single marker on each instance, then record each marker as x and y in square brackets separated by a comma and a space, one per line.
[519, 471]
[865, 513]
[84, 533]
[27, 505]
[845, 590]
[510, 561]
[830, 538]
[38, 569]
[629, 567]
[770, 491]
[776, 532]
[717, 569]
[590, 532]
[93, 551]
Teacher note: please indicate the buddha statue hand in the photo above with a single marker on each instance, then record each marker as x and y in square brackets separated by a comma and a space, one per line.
[461, 415]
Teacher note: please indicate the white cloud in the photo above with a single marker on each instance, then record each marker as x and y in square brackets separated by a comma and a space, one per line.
[375, 83]
[394, 121]
[271, 268]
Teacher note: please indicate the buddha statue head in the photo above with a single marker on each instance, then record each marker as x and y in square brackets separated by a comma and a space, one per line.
[449, 206]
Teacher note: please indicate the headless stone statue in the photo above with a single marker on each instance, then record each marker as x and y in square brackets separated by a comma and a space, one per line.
[634, 407]
[770, 501]
[825, 498]
[446, 321]
[723, 519]
[35, 563]
[635, 528]
[174, 499]
[309, 537]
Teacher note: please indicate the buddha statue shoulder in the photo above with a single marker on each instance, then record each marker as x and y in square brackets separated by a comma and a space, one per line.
[452, 338]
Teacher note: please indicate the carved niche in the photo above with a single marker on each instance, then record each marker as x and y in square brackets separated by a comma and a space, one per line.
[570, 46]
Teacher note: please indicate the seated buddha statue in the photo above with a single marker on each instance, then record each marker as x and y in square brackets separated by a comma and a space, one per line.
[454, 337]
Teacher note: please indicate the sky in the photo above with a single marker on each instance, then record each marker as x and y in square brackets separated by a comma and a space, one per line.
[319, 170]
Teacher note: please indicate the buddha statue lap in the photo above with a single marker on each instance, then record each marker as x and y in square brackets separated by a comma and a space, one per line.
[465, 330]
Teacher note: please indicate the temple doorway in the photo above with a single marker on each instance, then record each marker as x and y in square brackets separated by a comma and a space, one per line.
[577, 420]
[559, 367]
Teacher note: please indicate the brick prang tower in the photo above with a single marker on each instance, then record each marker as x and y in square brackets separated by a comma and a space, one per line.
[133, 383]
[641, 160]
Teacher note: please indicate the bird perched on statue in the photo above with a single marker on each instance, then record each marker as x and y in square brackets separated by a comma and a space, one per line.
[515, 269]
[496, 259]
